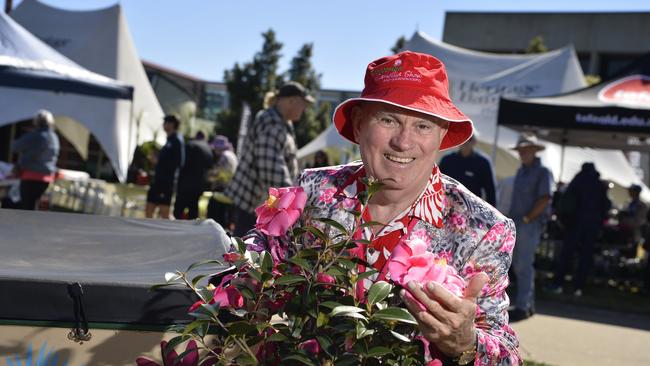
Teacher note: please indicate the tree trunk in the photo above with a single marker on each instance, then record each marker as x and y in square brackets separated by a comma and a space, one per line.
[8, 6]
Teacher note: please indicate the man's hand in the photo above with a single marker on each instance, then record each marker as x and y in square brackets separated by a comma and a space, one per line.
[447, 320]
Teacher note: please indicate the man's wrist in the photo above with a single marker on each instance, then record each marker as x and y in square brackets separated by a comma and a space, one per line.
[468, 355]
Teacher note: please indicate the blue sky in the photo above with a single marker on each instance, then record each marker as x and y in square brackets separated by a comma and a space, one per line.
[205, 37]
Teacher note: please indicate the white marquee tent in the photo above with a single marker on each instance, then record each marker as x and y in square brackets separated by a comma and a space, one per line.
[479, 79]
[100, 41]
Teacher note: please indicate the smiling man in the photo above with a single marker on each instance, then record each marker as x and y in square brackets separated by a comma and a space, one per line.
[402, 120]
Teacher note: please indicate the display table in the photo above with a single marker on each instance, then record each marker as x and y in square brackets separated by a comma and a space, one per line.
[72, 271]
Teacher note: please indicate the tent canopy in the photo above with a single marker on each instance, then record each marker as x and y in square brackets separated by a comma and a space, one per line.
[613, 114]
[100, 41]
[478, 80]
[27, 62]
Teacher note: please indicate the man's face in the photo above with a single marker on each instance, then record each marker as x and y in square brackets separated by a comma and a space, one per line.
[527, 154]
[296, 106]
[169, 128]
[398, 146]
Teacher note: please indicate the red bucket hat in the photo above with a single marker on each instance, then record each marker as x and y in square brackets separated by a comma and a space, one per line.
[414, 81]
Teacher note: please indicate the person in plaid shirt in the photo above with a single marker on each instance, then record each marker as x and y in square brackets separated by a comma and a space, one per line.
[269, 154]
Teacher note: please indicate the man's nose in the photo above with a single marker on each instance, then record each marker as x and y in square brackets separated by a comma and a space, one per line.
[402, 139]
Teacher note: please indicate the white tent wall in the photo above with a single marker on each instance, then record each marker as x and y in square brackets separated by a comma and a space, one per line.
[100, 41]
[478, 79]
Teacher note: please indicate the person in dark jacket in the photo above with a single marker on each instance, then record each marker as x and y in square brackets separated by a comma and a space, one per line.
[472, 169]
[170, 159]
[38, 152]
[193, 178]
[588, 204]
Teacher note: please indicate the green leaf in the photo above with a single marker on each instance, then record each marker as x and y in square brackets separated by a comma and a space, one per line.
[371, 224]
[266, 262]
[241, 246]
[192, 326]
[203, 263]
[301, 262]
[173, 276]
[369, 272]
[205, 294]
[245, 291]
[345, 310]
[289, 279]
[241, 328]
[298, 231]
[335, 271]
[347, 263]
[254, 273]
[401, 337]
[333, 223]
[174, 342]
[322, 320]
[316, 232]
[330, 304]
[161, 285]
[378, 351]
[277, 337]
[198, 278]
[300, 358]
[378, 292]
[394, 314]
[325, 342]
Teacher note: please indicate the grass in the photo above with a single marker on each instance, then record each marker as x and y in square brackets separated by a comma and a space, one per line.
[534, 363]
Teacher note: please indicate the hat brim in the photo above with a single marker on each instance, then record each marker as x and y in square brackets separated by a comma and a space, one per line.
[309, 99]
[460, 126]
[522, 146]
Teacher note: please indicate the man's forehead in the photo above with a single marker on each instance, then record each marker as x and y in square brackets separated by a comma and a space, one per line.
[385, 108]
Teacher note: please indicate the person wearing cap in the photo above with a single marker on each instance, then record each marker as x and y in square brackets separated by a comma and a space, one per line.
[38, 152]
[633, 217]
[269, 154]
[529, 208]
[402, 120]
[472, 169]
[170, 159]
[193, 177]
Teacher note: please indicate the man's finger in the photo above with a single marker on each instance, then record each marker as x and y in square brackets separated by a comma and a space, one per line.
[431, 300]
[475, 285]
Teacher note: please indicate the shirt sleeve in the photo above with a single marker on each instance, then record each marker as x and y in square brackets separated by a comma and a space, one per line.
[497, 343]
[545, 184]
[23, 142]
[269, 147]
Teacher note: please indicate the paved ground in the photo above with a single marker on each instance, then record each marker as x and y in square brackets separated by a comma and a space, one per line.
[566, 335]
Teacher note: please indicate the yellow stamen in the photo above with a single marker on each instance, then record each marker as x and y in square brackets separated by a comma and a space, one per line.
[270, 202]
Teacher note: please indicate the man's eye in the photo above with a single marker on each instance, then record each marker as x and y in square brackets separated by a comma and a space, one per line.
[386, 120]
[424, 128]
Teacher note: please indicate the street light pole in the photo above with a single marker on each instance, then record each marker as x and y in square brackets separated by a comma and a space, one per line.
[8, 6]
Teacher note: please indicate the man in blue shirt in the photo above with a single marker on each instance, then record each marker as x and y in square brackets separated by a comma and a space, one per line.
[531, 194]
[472, 169]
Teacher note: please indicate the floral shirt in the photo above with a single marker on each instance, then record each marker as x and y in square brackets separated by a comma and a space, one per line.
[460, 227]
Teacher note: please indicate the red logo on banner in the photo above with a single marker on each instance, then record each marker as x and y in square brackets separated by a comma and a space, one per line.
[631, 91]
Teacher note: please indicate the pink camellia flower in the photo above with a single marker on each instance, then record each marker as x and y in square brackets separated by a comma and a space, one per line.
[325, 278]
[310, 346]
[228, 297]
[231, 257]
[281, 210]
[411, 261]
[190, 359]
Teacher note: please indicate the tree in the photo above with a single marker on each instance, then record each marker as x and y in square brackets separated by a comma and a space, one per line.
[316, 118]
[399, 45]
[248, 83]
[536, 45]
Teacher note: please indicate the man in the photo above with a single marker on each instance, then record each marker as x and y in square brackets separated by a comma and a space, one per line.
[170, 158]
[269, 154]
[38, 152]
[193, 178]
[472, 169]
[590, 204]
[530, 202]
[403, 118]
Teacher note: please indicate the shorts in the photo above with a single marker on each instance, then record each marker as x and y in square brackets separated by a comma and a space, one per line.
[160, 195]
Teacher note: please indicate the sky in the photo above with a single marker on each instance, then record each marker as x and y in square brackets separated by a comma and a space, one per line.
[205, 37]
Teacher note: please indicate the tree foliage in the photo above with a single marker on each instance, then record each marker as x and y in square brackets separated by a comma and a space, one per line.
[250, 81]
[536, 45]
[399, 45]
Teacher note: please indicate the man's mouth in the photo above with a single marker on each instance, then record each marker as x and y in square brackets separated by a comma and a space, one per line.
[398, 159]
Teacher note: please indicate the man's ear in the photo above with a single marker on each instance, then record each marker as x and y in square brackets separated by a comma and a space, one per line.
[356, 116]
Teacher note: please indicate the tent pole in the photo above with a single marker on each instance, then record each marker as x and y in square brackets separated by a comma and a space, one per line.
[128, 160]
[564, 142]
[12, 136]
[494, 148]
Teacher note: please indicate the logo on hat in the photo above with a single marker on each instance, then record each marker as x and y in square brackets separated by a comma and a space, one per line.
[632, 91]
[398, 62]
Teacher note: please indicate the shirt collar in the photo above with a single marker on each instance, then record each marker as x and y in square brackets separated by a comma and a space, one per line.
[428, 207]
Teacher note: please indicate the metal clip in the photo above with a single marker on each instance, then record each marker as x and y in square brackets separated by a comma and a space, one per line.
[79, 335]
